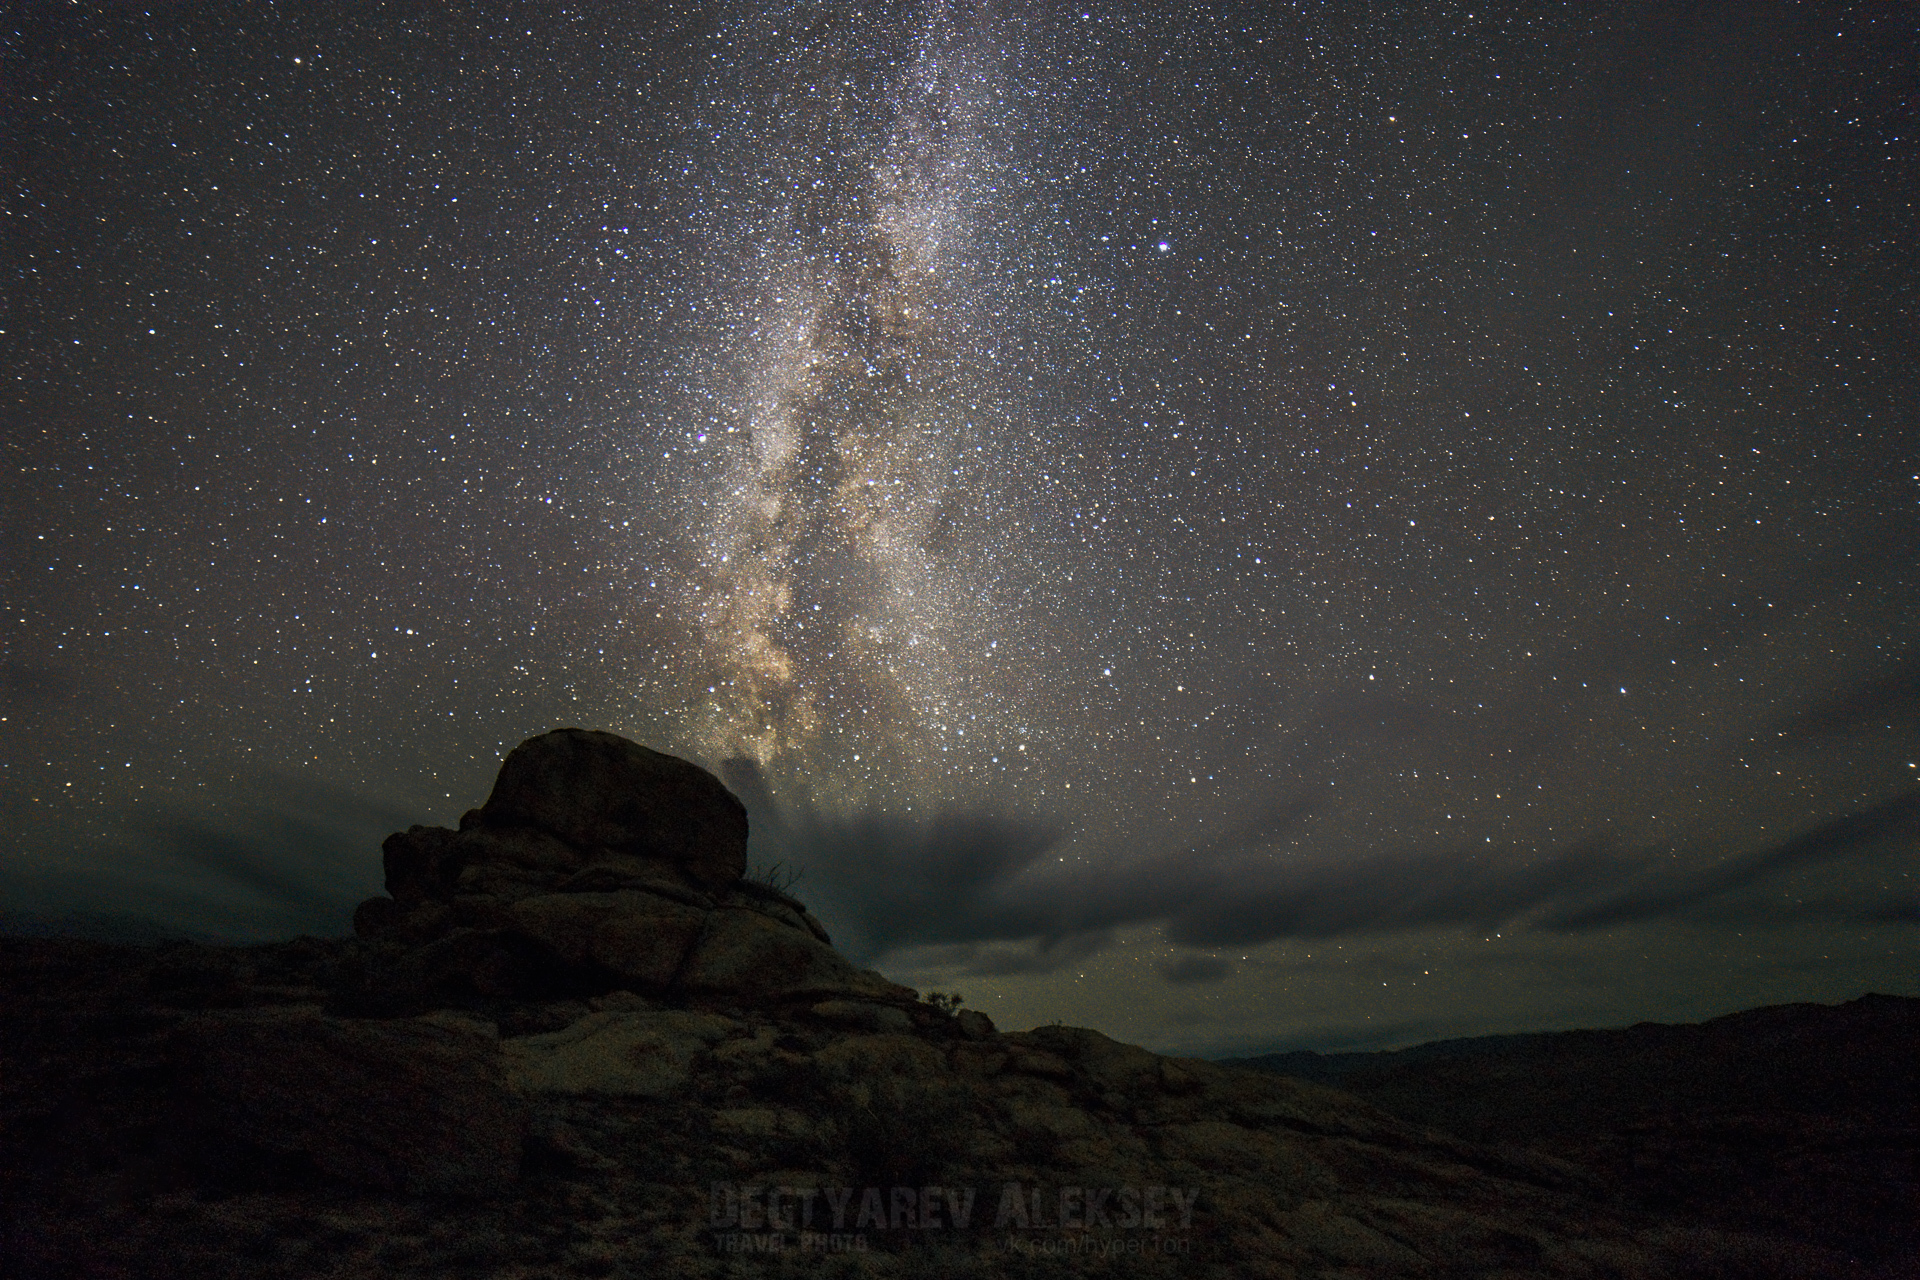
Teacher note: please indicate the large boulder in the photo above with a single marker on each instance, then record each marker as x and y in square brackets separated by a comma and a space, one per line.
[599, 791]
[596, 864]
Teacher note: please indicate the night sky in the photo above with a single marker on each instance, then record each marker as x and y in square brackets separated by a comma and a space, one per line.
[1241, 526]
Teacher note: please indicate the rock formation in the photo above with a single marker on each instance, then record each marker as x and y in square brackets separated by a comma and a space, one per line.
[595, 865]
[574, 1041]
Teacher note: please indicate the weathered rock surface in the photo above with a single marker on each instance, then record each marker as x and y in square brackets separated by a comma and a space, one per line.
[749, 953]
[640, 936]
[635, 1055]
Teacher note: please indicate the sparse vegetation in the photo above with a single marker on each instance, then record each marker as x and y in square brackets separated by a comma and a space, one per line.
[776, 876]
[944, 1002]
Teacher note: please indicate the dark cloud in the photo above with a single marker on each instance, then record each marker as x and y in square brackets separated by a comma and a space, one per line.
[884, 880]
[1895, 821]
[1585, 887]
[1889, 701]
[1035, 955]
[125, 929]
[1904, 910]
[982, 889]
[1195, 969]
[285, 855]
[1322, 897]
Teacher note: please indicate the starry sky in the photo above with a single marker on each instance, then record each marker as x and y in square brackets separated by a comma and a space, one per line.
[1243, 526]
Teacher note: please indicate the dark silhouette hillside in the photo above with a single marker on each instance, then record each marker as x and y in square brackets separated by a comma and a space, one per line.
[1802, 1118]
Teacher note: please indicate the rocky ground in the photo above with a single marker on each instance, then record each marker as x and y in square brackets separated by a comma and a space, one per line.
[576, 1042]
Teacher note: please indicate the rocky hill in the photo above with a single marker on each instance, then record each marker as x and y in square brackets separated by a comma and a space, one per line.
[575, 1041]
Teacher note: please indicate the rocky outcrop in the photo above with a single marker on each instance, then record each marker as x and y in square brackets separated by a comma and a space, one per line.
[598, 791]
[596, 864]
[647, 1054]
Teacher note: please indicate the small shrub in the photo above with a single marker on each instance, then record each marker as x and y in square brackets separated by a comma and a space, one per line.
[776, 876]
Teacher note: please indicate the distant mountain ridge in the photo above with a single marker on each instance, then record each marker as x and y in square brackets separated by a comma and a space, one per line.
[1723, 1056]
[1309, 1064]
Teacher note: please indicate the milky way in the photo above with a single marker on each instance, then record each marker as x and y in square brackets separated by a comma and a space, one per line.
[843, 533]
